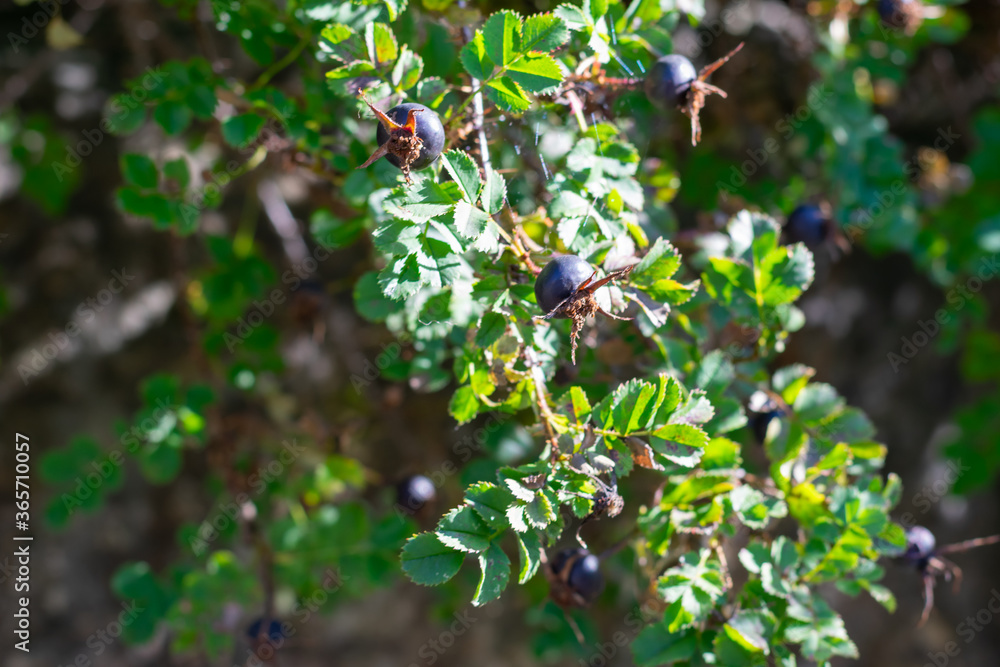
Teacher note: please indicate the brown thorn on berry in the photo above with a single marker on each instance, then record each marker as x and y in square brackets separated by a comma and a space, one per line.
[700, 90]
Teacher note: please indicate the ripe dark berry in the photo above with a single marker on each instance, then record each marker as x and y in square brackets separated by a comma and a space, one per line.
[576, 577]
[275, 633]
[415, 492]
[759, 423]
[430, 131]
[669, 80]
[559, 280]
[565, 288]
[920, 544]
[673, 82]
[807, 224]
[905, 14]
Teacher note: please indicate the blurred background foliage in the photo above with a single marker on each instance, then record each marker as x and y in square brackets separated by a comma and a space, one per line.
[113, 157]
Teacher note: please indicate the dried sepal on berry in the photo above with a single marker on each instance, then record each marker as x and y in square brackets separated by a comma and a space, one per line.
[403, 142]
[695, 98]
[581, 304]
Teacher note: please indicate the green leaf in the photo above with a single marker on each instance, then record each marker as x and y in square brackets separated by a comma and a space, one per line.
[353, 69]
[463, 170]
[125, 115]
[537, 73]
[464, 405]
[381, 44]
[491, 328]
[656, 645]
[494, 192]
[428, 562]
[502, 36]
[172, 116]
[462, 529]
[490, 502]
[692, 589]
[475, 59]
[406, 73]
[139, 170]
[177, 171]
[529, 547]
[507, 94]
[239, 131]
[660, 262]
[495, 573]
[544, 32]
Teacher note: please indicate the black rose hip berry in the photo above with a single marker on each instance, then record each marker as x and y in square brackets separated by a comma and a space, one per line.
[409, 135]
[807, 224]
[414, 492]
[672, 82]
[565, 288]
[669, 81]
[274, 631]
[575, 575]
[903, 14]
[920, 544]
[559, 280]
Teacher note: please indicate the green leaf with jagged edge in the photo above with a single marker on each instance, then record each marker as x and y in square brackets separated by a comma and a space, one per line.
[464, 172]
[464, 530]
[491, 503]
[502, 37]
[529, 547]
[495, 568]
[656, 645]
[543, 32]
[691, 589]
[507, 94]
[428, 561]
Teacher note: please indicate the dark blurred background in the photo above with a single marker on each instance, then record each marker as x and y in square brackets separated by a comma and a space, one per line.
[51, 262]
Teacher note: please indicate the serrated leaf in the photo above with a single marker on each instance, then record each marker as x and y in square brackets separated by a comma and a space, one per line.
[529, 547]
[507, 94]
[350, 70]
[544, 32]
[494, 192]
[239, 131]
[656, 646]
[491, 328]
[537, 73]
[475, 59]
[381, 44]
[490, 502]
[462, 529]
[515, 515]
[495, 574]
[692, 589]
[464, 172]
[539, 512]
[660, 262]
[407, 70]
[429, 562]
[520, 491]
[463, 405]
[502, 36]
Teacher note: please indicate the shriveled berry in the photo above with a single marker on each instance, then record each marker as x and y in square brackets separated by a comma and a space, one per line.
[807, 224]
[559, 280]
[920, 544]
[430, 131]
[415, 492]
[669, 80]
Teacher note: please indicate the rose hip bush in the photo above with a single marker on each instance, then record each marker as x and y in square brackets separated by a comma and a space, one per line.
[730, 524]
